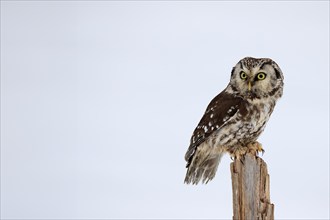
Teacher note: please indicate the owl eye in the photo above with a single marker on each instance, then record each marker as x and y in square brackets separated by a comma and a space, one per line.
[261, 76]
[243, 75]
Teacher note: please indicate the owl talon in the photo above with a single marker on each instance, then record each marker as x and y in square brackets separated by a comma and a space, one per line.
[239, 153]
[255, 148]
[262, 152]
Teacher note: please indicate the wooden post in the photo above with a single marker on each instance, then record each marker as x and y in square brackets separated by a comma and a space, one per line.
[250, 183]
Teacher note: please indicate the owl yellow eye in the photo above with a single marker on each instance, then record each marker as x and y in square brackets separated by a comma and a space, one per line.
[261, 76]
[243, 75]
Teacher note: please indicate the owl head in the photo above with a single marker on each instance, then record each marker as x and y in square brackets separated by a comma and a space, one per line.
[257, 78]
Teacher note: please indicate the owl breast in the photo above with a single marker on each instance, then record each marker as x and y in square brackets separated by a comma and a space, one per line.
[244, 128]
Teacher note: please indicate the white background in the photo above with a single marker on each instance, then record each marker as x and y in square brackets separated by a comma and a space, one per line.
[99, 100]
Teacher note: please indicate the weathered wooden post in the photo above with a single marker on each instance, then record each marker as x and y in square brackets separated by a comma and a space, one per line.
[251, 194]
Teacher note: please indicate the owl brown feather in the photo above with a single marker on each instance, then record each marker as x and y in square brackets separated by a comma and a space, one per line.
[216, 114]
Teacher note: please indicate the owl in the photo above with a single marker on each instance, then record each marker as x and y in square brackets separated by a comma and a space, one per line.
[235, 118]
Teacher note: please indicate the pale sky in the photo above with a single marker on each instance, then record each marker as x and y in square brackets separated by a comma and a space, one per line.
[99, 100]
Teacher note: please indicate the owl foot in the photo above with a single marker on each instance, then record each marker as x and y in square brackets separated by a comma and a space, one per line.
[255, 148]
[240, 157]
[239, 153]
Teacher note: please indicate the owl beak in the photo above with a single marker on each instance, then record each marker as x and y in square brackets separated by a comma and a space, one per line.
[249, 86]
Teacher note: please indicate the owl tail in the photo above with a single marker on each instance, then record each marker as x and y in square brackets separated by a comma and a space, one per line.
[202, 167]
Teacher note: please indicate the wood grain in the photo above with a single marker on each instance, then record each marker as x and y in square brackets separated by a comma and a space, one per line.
[251, 193]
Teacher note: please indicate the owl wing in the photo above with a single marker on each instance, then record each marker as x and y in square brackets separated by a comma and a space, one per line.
[221, 109]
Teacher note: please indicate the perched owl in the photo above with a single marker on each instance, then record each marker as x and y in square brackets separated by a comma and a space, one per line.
[235, 118]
